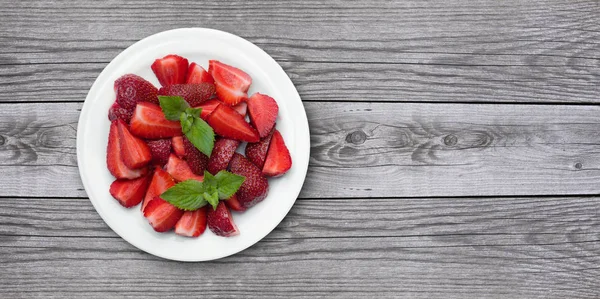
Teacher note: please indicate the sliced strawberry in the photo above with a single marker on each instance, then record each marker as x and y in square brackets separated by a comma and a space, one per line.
[228, 123]
[149, 122]
[132, 89]
[171, 69]
[118, 112]
[221, 222]
[160, 149]
[197, 74]
[113, 157]
[255, 186]
[234, 204]
[178, 147]
[180, 170]
[207, 108]
[130, 193]
[228, 95]
[194, 94]
[257, 152]
[134, 151]
[231, 83]
[241, 108]
[262, 110]
[192, 223]
[161, 181]
[278, 159]
[222, 153]
[162, 215]
[194, 158]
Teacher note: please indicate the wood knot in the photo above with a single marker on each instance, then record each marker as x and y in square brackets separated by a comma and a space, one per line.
[578, 165]
[450, 140]
[356, 137]
[2, 140]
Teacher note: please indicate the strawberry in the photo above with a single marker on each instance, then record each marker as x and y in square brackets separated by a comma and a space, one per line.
[178, 148]
[221, 222]
[161, 181]
[195, 159]
[234, 204]
[207, 108]
[129, 193]
[192, 223]
[149, 122]
[134, 151]
[160, 149]
[221, 154]
[197, 74]
[257, 152]
[132, 89]
[171, 69]
[162, 215]
[113, 157]
[255, 186]
[180, 170]
[278, 159]
[194, 94]
[228, 123]
[118, 112]
[241, 108]
[262, 110]
[231, 83]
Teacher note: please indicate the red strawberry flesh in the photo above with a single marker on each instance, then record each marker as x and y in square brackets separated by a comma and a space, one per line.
[161, 181]
[257, 152]
[171, 69]
[178, 148]
[134, 151]
[114, 162]
[197, 74]
[231, 83]
[129, 193]
[207, 108]
[221, 222]
[192, 223]
[149, 122]
[180, 170]
[255, 186]
[234, 204]
[278, 159]
[262, 110]
[228, 123]
[162, 215]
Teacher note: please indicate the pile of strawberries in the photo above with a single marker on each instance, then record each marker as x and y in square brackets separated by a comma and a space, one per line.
[148, 154]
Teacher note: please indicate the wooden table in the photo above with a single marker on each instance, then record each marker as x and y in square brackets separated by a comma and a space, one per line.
[455, 150]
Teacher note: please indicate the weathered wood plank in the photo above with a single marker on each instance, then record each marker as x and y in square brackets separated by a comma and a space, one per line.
[364, 150]
[358, 248]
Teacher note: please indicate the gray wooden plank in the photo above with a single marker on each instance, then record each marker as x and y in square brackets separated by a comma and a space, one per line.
[318, 81]
[355, 248]
[364, 150]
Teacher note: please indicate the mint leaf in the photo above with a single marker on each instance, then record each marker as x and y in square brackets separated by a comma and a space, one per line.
[187, 121]
[187, 195]
[193, 111]
[200, 134]
[212, 198]
[173, 106]
[228, 183]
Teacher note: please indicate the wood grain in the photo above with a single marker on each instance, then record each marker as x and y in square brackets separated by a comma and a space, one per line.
[406, 149]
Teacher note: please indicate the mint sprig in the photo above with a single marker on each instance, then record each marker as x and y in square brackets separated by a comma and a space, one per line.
[191, 195]
[197, 131]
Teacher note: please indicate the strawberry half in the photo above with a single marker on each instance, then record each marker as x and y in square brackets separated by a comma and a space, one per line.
[221, 222]
[257, 152]
[160, 149]
[278, 159]
[194, 94]
[207, 108]
[241, 108]
[114, 161]
[194, 158]
[129, 193]
[180, 170]
[222, 153]
[228, 123]
[192, 223]
[171, 69]
[197, 74]
[262, 110]
[161, 181]
[231, 83]
[234, 204]
[148, 121]
[255, 186]
[117, 112]
[162, 215]
[178, 148]
[134, 151]
[132, 89]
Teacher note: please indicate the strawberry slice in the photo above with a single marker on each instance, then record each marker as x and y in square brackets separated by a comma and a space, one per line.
[162, 215]
[255, 186]
[148, 121]
[171, 69]
[228, 123]
[263, 111]
[234, 204]
[194, 94]
[221, 155]
[132, 89]
[129, 193]
[257, 152]
[161, 181]
[114, 162]
[207, 108]
[231, 83]
[221, 222]
[278, 159]
[197, 74]
[178, 147]
[134, 151]
[192, 223]
[241, 108]
[180, 170]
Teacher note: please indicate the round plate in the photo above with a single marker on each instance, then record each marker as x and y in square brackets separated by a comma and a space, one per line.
[197, 45]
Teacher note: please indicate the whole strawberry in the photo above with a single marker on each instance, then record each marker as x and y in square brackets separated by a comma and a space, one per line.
[221, 155]
[255, 186]
[194, 94]
[131, 89]
[195, 159]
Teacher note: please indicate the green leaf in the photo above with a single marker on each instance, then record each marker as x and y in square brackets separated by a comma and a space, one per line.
[194, 111]
[200, 134]
[187, 121]
[187, 195]
[212, 198]
[173, 106]
[228, 183]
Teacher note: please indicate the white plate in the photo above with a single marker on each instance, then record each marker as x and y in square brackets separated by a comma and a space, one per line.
[197, 45]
